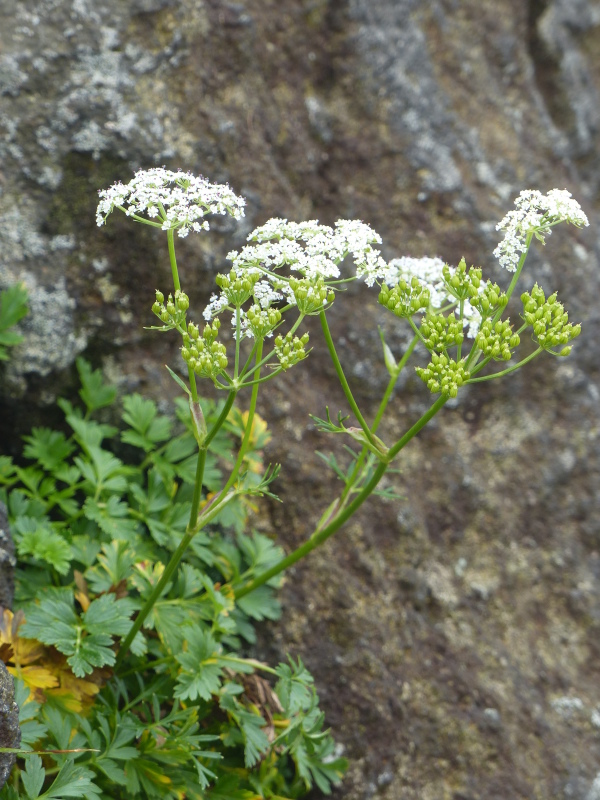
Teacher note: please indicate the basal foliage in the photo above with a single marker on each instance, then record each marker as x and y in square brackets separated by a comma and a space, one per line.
[188, 715]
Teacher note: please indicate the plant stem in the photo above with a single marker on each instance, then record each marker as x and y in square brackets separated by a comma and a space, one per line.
[379, 416]
[319, 536]
[507, 371]
[193, 526]
[173, 260]
[248, 432]
[342, 378]
[208, 513]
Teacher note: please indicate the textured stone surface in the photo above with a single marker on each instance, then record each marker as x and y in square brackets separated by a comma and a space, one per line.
[454, 636]
[10, 733]
[7, 561]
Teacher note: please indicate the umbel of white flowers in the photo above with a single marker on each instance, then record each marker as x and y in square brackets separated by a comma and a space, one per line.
[298, 264]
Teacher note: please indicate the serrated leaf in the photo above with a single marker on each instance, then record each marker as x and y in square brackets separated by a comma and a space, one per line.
[94, 392]
[87, 641]
[201, 672]
[106, 613]
[33, 776]
[48, 447]
[295, 686]
[72, 781]
[148, 426]
[88, 432]
[260, 604]
[251, 725]
[111, 517]
[13, 307]
[46, 545]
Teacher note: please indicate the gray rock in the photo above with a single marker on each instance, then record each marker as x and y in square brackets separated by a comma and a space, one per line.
[7, 561]
[10, 733]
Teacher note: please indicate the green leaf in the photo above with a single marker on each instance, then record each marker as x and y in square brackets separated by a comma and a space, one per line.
[260, 604]
[148, 427]
[32, 729]
[388, 356]
[94, 392]
[87, 432]
[201, 672]
[7, 468]
[111, 517]
[13, 307]
[114, 565]
[41, 542]
[295, 686]
[178, 381]
[49, 448]
[33, 776]
[106, 613]
[87, 641]
[105, 470]
[227, 788]
[251, 725]
[72, 781]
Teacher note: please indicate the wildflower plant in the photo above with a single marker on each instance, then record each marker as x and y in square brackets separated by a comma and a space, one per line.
[150, 597]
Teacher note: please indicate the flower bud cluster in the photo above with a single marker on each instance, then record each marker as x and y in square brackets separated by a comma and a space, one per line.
[202, 352]
[237, 288]
[260, 322]
[290, 349]
[460, 283]
[444, 375]
[172, 312]
[406, 298]
[440, 332]
[550, 321]
[311, 295]
[497, 341]
[490, 300]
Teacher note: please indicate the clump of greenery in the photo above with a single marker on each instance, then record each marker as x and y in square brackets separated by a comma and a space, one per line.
[93, 534]
[140, 579]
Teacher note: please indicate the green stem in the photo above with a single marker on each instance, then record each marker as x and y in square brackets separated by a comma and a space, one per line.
[321, 535]
[392, 383]
[173, 260]
[378, 417]
[342, 378]
[208, 513]
[516, 276]
[248, 432]
[222, 417]
[192, 529]
[507, 371]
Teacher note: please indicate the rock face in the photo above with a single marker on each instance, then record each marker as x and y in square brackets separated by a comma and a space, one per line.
[454, 636]
[10, 733]
[7, 561]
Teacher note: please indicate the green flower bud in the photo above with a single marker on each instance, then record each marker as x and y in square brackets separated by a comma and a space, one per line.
[565, 351]
[160, 298]
[183, 301]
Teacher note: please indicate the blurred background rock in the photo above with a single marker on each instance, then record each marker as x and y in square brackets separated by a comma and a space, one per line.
[454, 637]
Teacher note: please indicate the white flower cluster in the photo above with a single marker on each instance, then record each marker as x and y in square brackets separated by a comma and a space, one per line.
[177, 200]
[429, 273]
[535, 212]
[313, 251]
